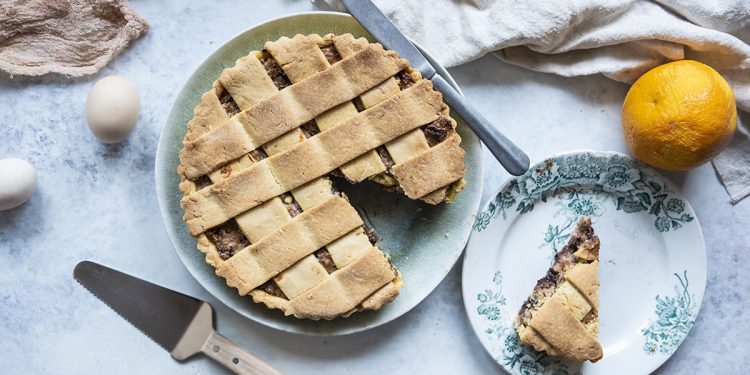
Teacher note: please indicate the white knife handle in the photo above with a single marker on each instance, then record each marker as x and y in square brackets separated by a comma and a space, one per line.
[233, 357]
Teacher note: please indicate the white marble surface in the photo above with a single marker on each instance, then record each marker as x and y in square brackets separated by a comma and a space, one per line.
[98, 202]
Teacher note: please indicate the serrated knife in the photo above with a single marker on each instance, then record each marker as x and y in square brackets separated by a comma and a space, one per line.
[508, 154]
[181, 324]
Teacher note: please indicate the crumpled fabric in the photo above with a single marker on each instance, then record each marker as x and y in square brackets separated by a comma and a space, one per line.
[70, 37]
[621, 39]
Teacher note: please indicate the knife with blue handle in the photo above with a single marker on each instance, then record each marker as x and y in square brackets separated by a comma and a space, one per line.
[508, 154]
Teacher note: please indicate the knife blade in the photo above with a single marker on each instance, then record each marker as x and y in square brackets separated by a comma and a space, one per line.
[179, 323]
[512, 158]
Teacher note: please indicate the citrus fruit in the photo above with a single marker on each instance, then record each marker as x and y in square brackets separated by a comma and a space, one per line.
[679, 115]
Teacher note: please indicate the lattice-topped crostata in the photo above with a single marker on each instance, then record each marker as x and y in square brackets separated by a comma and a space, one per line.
[265, 147]
[561, 317]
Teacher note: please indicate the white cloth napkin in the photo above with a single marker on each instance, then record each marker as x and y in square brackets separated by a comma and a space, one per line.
[620, 39]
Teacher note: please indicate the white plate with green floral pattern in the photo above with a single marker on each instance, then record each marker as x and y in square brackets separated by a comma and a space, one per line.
[652, 260]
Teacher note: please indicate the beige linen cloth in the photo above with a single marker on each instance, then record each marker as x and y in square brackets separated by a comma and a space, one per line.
[71, 37]
[620, 39]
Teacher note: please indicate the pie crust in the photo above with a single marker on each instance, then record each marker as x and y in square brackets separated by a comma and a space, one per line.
[561, 317]
[267, 141]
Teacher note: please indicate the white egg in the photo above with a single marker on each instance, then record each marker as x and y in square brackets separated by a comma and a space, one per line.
[17, 182]
[112, 109]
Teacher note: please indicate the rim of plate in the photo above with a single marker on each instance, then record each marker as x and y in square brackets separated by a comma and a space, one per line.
[162, 199]
[597, 153]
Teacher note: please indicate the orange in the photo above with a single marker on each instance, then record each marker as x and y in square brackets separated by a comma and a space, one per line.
[679, 115]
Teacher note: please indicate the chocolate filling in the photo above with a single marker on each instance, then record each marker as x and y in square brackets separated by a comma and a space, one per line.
[583, 235]
[358, 104]
[325, 259]
[202, 182]
[386, 157]
[331, 54]
[371, 236]
[292, 206]
[276, 73]
[258, 154]
[229, 104]
[228, 239]
[589, 317]
[310, 128]
[271, 288]
[436, 131]
[404, 79]
[546, 286]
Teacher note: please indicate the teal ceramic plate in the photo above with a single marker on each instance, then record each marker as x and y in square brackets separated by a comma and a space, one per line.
[424, 241]
[652, 265]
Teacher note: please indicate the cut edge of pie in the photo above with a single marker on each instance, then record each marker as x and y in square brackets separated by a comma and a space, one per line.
[561, 316]
[243, 206]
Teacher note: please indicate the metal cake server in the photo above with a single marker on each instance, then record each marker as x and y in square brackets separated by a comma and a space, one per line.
[179, 323]
[508, 154]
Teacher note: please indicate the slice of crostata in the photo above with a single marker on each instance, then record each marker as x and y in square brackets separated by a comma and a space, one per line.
[561, 316]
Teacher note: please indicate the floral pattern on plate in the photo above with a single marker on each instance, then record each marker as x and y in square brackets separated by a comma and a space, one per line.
[633, 207]
[632, 190]
[675, 317]
[521, 359]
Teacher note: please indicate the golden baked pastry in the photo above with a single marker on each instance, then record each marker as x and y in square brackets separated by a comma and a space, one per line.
[260, 151]
[561, 317]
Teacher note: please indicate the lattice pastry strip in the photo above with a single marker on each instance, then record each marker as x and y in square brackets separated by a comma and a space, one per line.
[309, 271]
[349, 246]
[288, 109]
[238, 82]
[246, 84]
[406, 146]
[315, 157]
[256, 223]
[304, 107]
[265, 218]
[307, 232]
[285, 221]
[299, 58]
[416, 142]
